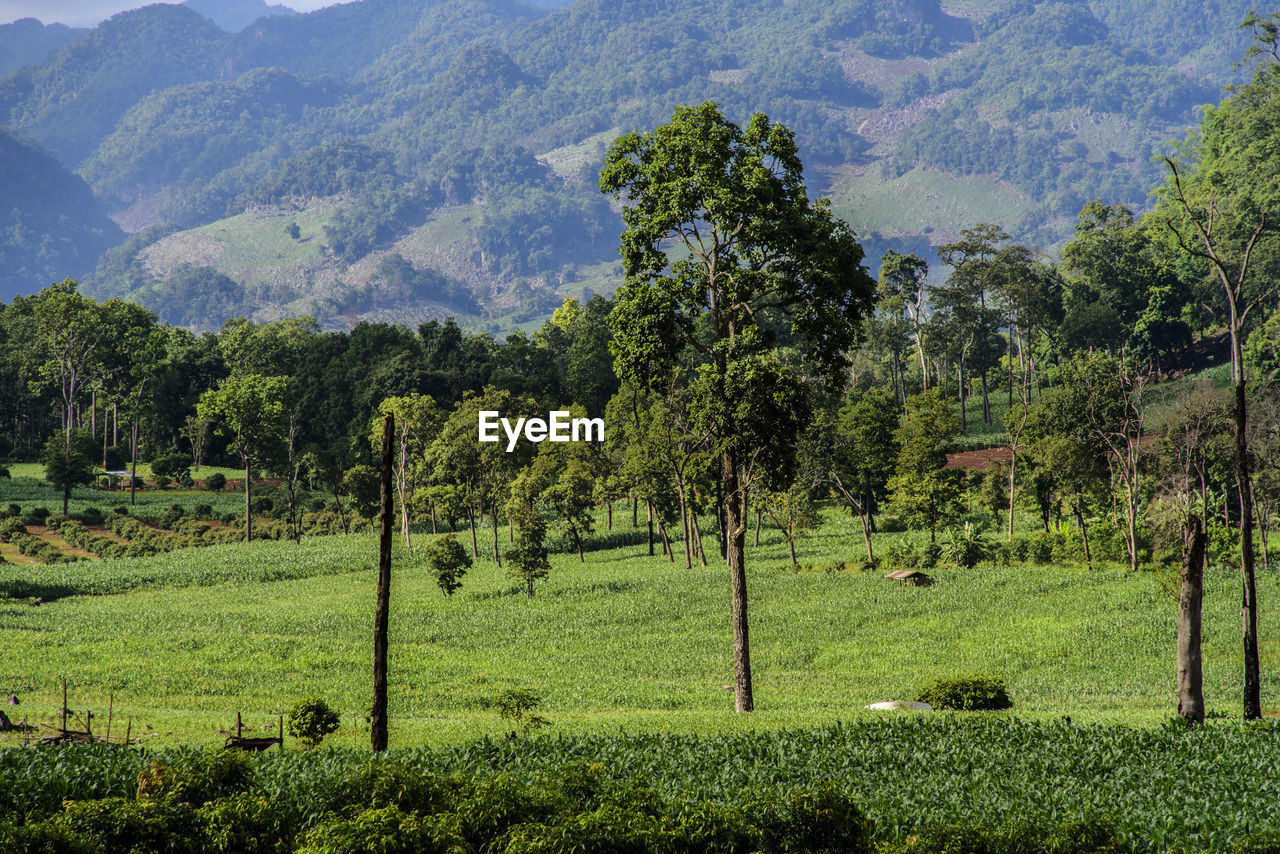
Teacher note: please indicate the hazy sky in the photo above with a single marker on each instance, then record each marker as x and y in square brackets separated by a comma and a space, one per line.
[87, 13]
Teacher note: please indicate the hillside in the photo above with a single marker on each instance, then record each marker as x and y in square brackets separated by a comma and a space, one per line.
[488, 120]
[51, 226]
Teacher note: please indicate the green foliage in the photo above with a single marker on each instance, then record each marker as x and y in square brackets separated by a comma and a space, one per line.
[196, 779]
[516, 707]
[310, 720]
[966, 693]
[449, 561]
[58, 469]
[968, 546]
[528, 557]
[215, 482]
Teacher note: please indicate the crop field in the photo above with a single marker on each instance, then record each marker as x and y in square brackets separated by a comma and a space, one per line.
[630, 655]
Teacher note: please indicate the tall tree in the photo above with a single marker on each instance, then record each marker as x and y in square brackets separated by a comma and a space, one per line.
[249, 408]
[747, 242]
[902, 290]
[418, 420]
[69, 336]
[961, 309]
[1224, 211]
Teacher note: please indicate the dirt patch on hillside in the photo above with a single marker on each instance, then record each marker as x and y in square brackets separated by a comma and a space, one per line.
[978, 460]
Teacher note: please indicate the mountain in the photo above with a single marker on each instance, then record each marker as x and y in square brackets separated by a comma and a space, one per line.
[51, 226]
[234, 15]
[27, 40]
[407, 158]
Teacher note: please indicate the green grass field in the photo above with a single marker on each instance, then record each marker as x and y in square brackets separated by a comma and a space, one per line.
[622, 643]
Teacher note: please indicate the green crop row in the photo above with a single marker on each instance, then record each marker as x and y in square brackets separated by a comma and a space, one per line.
[1002, 784]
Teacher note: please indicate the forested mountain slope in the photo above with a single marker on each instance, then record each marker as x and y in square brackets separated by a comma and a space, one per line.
[399, 158]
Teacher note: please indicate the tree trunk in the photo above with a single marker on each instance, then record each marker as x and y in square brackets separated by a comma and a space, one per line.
[648, 514]
[471, 518]
[666, 542]
[986, 404]
[756, 541]
[635, 511]
[1249, 603]
[1084, 533]
[866, 536]
[378, 719]
[496, 556]
[735, 537]
[791, 544]
[964, 414]
[1013, 461]
[133, 456]
[248, 505]
[608, 515]
[684, 523]
[1190, 598]
[66, 471]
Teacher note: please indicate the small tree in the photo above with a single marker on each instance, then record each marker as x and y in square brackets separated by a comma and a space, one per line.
[528, 557]
[924, 491]
[449, 561]
[310, 720]
[793, 511]
[515, 706]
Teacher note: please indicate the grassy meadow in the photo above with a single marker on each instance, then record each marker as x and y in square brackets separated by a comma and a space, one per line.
[622, 643]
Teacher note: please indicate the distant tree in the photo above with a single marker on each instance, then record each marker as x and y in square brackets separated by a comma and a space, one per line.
[310, 720]
[793, 511]
[418, 419]
[527, 558]
[902, 291]
[63, 469]
[449, 561]
[250, 409]
[923, 490]
[360, 483]
[860, 448]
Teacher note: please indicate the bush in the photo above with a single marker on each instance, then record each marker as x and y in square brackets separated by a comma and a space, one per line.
[197, 779]
[966, 693]
[4, 473]
[968, 546]
[215, 482]
[310, 720]
[91, 516]
[38, 515]
[515, 707]
[202, 511]
[162, 481]
[172, 466]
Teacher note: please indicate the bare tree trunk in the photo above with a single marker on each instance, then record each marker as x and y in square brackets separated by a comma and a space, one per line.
[471, 518]
[1084, 532]
[1190, 599]
[1013, 461]
[759, 513]
[735, 537]
[666, 542]
[494, 512]
[986, 403]
[133, 456]
[648, 514]
[1249, 603]
[866, 536]
[248, 504]
[378, 718]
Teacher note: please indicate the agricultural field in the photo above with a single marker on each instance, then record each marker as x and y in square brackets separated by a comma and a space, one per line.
[630, 656]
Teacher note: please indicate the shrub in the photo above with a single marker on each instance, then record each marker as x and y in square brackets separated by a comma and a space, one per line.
[202, 511]
[39, 514]
[13, 510]
[120, 510]
[215, 482]
[162, 481]
[91, 516]
[172, 466]
[310, 720]
[966, 693]
[4, 473]
[197, 779]
[968, 546]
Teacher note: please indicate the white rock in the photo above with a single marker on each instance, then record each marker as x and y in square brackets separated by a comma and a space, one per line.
[896, 705]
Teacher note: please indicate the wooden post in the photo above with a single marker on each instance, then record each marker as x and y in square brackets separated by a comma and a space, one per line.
[378, 730]
[280, 730]
[64, 706]
[111, 699]
[128, 729]
[239, 726]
